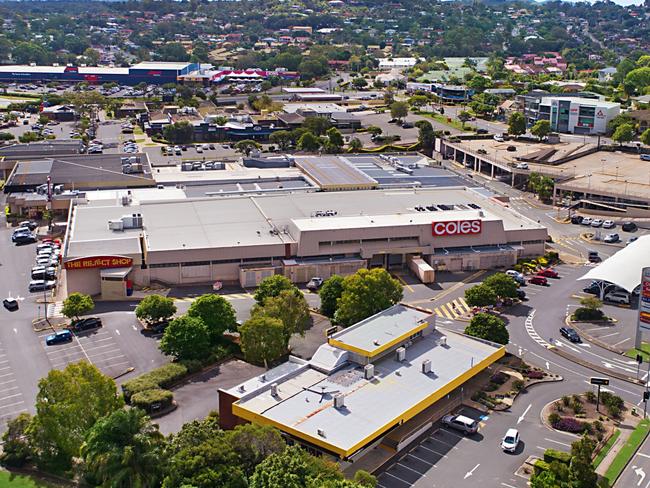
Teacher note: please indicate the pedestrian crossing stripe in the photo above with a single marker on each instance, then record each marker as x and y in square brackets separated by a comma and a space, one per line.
[232, 296]
[453, 309]
[54, 309]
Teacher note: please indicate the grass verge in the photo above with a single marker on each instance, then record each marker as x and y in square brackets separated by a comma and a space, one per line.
[456, 124]
[644, 351]
[627, 451]
[11, 480]
[606, 448]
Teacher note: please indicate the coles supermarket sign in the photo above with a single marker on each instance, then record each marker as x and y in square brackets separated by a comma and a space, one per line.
[456, 227]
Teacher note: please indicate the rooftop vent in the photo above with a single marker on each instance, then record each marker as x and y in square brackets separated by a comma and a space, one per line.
[241, 388]
[321, 432]
[376, 342]
[426, 366]
[339, 401]
[443, 341]
[369, 371]
[115, 225]
[274, 389]
[400, 354]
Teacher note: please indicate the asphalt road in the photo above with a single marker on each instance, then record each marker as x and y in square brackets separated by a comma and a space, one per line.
[637, 472]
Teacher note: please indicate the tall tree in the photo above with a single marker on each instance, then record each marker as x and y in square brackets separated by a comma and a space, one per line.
[487, 326]
[581, 469]
[504, 286]
[516, 124]
[186, 338]
[217, 314]
[154, 308]
[366, 293]
[329, 293]
[254, 443]
[541, 129]
[399, 110]
[623, 133]
[272, 286]
[68, 404]
[480, 296]
[282, 138]
[263, 339]
[77, 304]
[289, 307]
[309, 142]
[645, 137]
[426, 136]
[125, 450]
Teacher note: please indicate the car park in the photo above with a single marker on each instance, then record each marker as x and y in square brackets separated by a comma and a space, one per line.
[538, 280]
[42, 273]
[548, 273]
[596, 223]
[629, 227]
[510, 441]
[586, 221]
[87, 323]
[459, 422]
[570, 334]
[10, 304]
[619, 297]
[611, 238]
[30, 224]
[59, 337]
[609, 224]
[315, 283]
[41, 285]
[644, 157]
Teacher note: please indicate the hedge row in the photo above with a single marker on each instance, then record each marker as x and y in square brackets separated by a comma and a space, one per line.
[551, 455]
[162, 377]
[152, 400]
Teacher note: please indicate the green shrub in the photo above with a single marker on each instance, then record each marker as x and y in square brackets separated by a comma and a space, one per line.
[598, 425]
[551, 455]
[610, 400]
[554, 418]
[152, 400]
[192, 365]
[162, 377]
[590, 396]
[614, 411]
[518, 385]
[583, 313]
[491, 386]
[577, 408]
[541, 466]
[566, 401]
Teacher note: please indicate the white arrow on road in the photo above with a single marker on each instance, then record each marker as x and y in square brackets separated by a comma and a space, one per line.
[521, 417]
[639, 472]
[470, 473]
[548, 366]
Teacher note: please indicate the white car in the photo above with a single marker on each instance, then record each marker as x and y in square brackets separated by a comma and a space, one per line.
[206, 147]
[510, 441]
[199, 149]
[521, 166]
[499, 138]
[586, 221]
[609, 224]
[620, 297]
[596, 222]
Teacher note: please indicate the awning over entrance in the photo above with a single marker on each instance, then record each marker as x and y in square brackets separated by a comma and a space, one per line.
[115, 272]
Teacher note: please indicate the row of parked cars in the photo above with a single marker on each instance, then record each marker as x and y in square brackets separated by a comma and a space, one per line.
[43, 274]
[24, 234]
[539, 278]
[605, 224]
[66, 335]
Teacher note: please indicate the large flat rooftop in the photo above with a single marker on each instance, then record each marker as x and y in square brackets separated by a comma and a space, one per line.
[304, 403]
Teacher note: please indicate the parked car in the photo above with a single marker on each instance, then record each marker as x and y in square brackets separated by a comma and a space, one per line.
[498, 138]
[610, 238]
[629, 227]
[481, 131]
[43, 273]
[407, 125]
[59, 337]
[631, 240]
[521, 166]
[609, 224]
[592, 288]
[30, 224]
[10, 304]
[596, 223]
[512, 149]
[586, 221]
[510, 441]
[521, 294]
[538, 280]
[41, 285]
[620, 297]
[315, 283]
[570, 334]
[576, 219]
[644, 157]
[156, 328]
[459, 422]
[86, 323]
[517, 276]
[548, 273]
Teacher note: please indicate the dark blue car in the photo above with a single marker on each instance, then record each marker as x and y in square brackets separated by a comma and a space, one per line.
[59, 337]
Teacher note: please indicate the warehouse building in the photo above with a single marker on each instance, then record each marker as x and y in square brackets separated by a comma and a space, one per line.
[381, 382]
[244, 239]
[148, 72]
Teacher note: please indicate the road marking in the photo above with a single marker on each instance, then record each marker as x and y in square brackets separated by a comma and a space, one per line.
[639, 472]
[429, 463]
[134, 327]
[609, 335]
[521, 417]
[643, 455]
[507, 485]
[531, 330]
[557, 442]
[452, 433]
[411, 469]
[621, 342]
[117, 332]
[397, 478]
[433, 451]
[471, 472]
[5, 382]
[15, 331]
[10, 396]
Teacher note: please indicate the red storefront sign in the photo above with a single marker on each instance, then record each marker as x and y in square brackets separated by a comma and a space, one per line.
[456, 227]
[99, 262]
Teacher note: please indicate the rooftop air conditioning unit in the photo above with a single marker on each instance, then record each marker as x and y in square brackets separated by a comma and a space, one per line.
[443, 341]
[339, 401]
[426, 366]
[369, 371]
[274, 389]
[400, 353]
[115, 225]
[126, 200]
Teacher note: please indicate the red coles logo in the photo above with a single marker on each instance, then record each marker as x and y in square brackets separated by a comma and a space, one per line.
[456, 227]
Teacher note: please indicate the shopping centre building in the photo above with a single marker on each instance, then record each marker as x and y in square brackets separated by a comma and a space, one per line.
[114, 244]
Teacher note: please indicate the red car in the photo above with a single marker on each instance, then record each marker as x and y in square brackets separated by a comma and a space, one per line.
[538, 280]
[548, 273]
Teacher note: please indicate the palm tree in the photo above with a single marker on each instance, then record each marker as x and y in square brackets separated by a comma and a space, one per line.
[125, 450]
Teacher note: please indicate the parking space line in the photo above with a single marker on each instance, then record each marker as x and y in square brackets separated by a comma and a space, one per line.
[8, 389]
[557, 442]
[14, 412]
[117, 364]
[10, 396]
[397, 478]
[422, 460]
[411, 469]
[6, 367]
[100, 347]
[452, 433]
[432, 450]
[8, 381]
[59, 350]
[114, 357]
[93, 341]
[434, 439]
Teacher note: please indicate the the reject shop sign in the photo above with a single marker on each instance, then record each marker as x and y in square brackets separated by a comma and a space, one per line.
[456, 227]
[99, 262]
